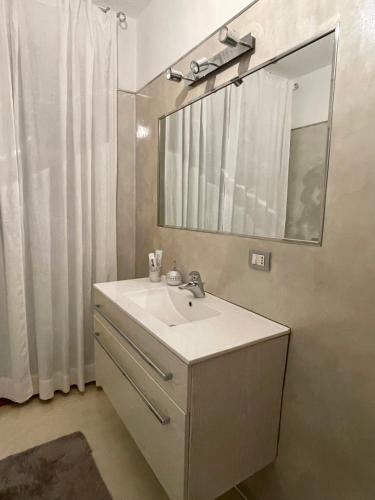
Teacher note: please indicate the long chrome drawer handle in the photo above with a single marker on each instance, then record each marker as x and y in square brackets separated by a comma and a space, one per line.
[162, 419]
[164, 376]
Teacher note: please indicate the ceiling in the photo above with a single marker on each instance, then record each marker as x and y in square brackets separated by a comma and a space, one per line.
[131, 7]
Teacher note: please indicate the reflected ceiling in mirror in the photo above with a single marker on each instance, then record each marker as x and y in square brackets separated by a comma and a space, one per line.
[251, 158]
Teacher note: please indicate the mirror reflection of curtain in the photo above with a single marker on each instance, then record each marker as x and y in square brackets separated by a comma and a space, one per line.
[255, 169]
[194, 148]
[227, 159]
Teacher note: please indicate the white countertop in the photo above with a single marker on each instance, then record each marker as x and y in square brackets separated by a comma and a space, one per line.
[234, 328]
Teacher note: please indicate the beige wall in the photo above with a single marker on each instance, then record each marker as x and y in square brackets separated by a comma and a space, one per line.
[325, 294]
[126, 186]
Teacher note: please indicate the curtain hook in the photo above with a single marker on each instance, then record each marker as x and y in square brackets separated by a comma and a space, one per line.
[122, 20]
[105, 9]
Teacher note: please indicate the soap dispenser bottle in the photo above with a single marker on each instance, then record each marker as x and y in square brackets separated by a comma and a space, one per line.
[174, 276]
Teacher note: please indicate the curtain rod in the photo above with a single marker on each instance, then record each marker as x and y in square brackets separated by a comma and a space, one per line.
[121, 16]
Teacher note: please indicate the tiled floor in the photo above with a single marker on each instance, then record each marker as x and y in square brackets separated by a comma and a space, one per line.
[121, 464]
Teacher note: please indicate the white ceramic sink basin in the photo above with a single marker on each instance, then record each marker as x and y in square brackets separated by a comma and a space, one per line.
[172, 307]
[204, 329]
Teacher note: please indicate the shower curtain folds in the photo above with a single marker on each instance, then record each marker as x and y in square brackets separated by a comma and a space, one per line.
[58, 169]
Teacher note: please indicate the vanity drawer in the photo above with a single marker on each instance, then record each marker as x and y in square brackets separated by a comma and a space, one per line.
[156, 423]
[161, 364]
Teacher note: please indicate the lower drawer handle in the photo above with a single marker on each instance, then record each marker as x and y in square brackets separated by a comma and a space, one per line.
[161, 418]
[164, 376]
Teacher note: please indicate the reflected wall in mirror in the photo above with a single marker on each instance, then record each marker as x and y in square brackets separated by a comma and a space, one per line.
[251, 159]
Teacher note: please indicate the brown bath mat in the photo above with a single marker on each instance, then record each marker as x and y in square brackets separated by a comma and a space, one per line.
[59, 470]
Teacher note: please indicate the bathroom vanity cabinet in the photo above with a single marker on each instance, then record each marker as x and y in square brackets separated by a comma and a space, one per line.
[205, 416]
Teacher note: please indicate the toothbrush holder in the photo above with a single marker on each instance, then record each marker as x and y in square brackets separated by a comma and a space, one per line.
[154, 274]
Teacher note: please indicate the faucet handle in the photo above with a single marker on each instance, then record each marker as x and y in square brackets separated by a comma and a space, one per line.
[195, 276]
[195, 285]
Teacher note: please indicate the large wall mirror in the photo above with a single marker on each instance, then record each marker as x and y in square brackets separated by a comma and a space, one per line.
[251, 158]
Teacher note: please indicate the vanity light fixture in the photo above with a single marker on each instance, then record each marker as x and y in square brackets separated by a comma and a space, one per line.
[238, 82]
[199, 65]
[232, 38]
[174, 75]
[203, 67]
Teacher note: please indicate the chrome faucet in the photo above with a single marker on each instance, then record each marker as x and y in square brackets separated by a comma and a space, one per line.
[194, 285]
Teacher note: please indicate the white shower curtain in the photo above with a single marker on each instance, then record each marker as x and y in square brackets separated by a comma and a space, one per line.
[58, 90]
[227, 159]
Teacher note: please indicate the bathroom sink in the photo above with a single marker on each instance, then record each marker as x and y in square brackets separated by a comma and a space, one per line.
[172, 307]
[205, 326]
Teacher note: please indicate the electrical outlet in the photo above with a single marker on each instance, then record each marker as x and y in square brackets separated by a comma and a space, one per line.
[260, 261]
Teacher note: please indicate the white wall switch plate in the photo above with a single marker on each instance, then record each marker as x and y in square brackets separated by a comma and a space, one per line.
[261, 261]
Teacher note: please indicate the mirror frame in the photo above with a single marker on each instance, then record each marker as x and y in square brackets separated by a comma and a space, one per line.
[160, 177]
